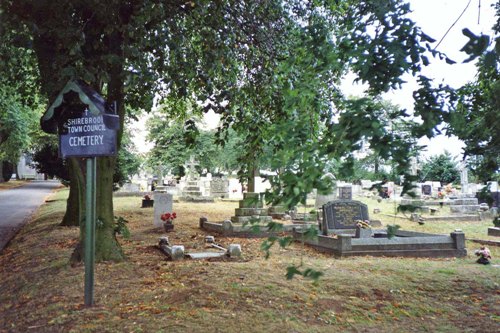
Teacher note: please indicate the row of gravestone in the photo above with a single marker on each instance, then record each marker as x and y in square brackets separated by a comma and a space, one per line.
[337, 214]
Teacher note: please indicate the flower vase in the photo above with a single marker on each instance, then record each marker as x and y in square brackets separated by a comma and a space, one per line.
[168, 225]
[147, 203]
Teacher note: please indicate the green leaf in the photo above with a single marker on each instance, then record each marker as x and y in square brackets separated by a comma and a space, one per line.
[291, 271]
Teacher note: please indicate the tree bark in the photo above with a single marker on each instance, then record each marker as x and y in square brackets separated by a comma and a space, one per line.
[107, 246]
[75, 205]
[1, 172]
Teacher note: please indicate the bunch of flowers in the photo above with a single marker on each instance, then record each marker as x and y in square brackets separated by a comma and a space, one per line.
[363, 224]
[168, 217]
[147, 197]
[440, 195]
[484, 254]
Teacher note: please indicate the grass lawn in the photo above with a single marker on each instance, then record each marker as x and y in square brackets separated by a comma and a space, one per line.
[12, 184]
[41, 292]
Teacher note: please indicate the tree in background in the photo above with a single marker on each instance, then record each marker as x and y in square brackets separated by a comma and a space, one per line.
[475, 118]
[128, 163]
[377, 163]
[15, 127]
[20, 101]
[174, 145]
[271, 69]
[442, 168]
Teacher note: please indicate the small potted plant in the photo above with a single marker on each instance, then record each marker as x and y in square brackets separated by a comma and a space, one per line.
[168, 221]
[147, 201]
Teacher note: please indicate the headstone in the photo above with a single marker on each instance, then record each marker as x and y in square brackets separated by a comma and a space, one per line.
[427, 189]
[234, 250]
[219, 188]
[436, 186]
[464, 178]
[343, 214]
[322, 199]
[413, 166]
[235, 189]
[493, 186]
[162, 205]
[191, 173]
[366, 184]
[345, 193]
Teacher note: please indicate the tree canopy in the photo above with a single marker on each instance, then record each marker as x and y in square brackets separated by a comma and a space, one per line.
[270, 69]
[475, 119]
[442, 168]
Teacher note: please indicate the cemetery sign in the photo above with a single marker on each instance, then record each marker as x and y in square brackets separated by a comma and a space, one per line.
[85, 122]
[87, 136]
[87, 127]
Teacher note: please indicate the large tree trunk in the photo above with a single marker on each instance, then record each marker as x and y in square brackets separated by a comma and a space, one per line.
[1, 172]
[107, 247]
[52, 59]
[75, 205]
[106, 244]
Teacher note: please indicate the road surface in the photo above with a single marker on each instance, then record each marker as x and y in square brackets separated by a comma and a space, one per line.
[17, 205]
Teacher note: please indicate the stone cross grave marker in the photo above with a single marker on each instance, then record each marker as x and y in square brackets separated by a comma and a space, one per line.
[464, 177]
[343, 214]
[162, 205]
[252, 181]
[345, 192]
[191, 169]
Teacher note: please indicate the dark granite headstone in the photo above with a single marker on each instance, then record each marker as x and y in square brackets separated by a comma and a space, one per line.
[342, 214]
[345, 193]
[494, 195]
[427, 189]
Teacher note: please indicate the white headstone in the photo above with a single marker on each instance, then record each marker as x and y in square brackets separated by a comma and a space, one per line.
[493, 186]
[322, 199]
[162, 205]
[366, 184]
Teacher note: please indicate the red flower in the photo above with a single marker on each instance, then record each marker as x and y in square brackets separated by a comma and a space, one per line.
[168, 216]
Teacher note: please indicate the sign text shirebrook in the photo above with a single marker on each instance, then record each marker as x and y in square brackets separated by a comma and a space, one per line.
[87, 136]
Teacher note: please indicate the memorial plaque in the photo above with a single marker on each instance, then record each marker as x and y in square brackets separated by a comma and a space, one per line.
[427, 189]
[345, 192]
[343, 214]
[86, 136]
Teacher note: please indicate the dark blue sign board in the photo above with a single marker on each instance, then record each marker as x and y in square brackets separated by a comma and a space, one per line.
[85, 122]
[87, 136]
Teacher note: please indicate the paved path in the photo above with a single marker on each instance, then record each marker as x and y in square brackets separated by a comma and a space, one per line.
[17, 205]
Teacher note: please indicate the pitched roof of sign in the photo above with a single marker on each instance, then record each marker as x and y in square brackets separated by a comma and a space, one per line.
[88, 96]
